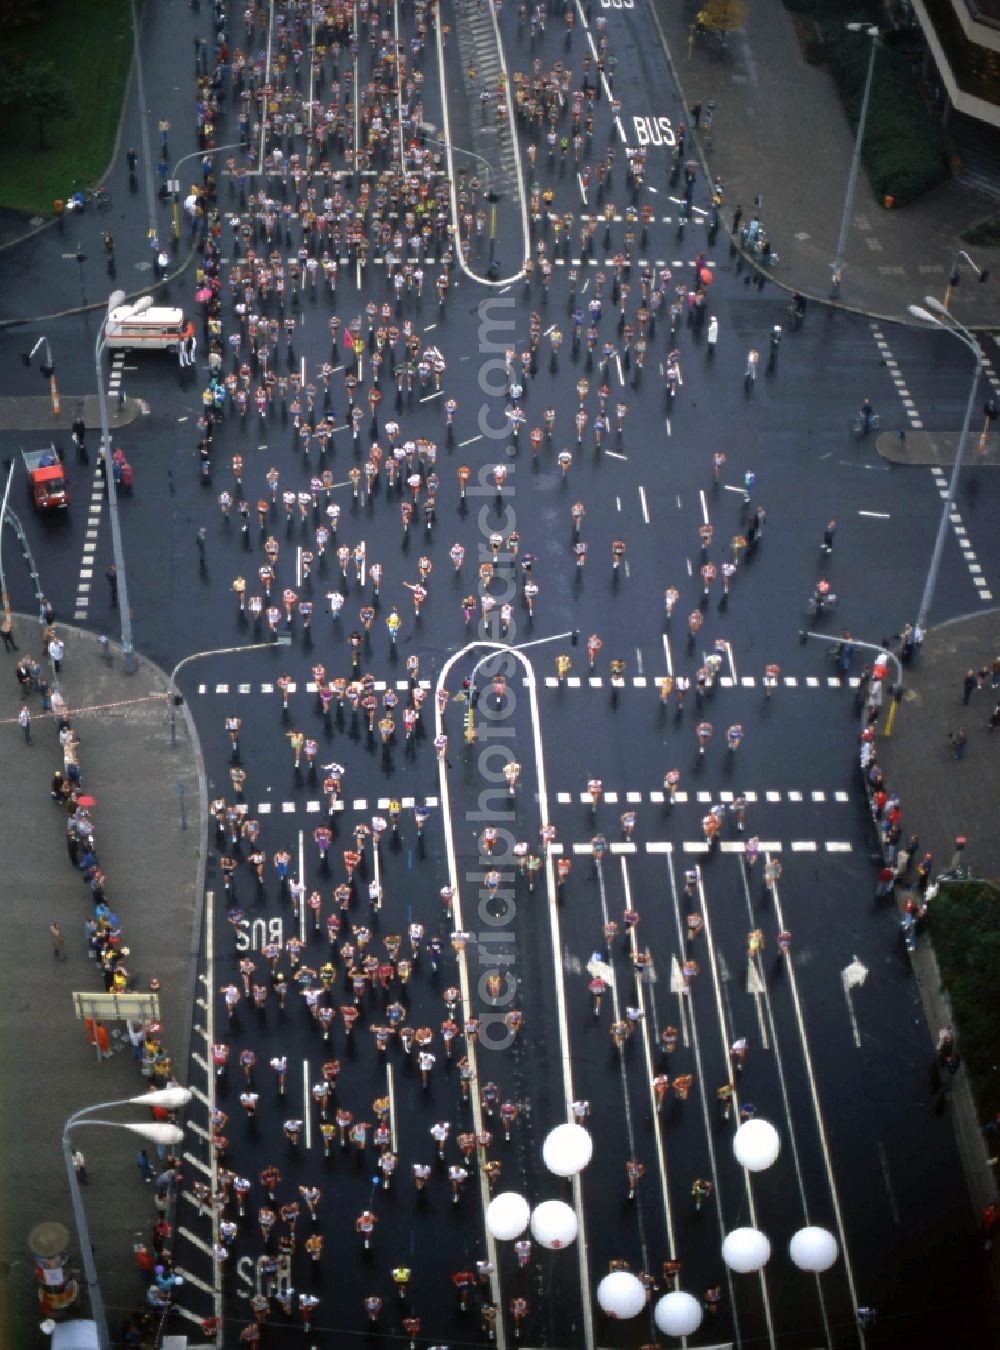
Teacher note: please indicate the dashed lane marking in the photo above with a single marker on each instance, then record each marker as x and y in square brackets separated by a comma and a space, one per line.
[937, 473]
[313, 806]
[584, 849]
[571, 682]
[81, 604]
[770, 797]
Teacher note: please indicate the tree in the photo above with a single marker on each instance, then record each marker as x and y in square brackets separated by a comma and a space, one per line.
[44, 93]
[17, 14]
[723, 16]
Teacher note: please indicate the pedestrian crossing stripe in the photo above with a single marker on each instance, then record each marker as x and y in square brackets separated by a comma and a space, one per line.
[309, 687]
[625, 848]
[313, 807]
[430, 261]
[723, 681]
[657, 798]
[362, 804]
[552, 682]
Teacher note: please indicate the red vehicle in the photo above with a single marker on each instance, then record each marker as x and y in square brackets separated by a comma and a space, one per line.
[46, 479]
[124, 474]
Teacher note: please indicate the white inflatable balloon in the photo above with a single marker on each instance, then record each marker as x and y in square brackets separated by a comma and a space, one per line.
[553, 1224]
[507, 1216]
[621, 1295]
[567, 1150]
[745, 1249]
[756, 1145]
[678, 1314]
[813, 1249]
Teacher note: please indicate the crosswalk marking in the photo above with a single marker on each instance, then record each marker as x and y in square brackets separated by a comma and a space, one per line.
[584, 848]
[362, 803]
[312, 805]
[552, 682]
[724, 682]
[632, 846]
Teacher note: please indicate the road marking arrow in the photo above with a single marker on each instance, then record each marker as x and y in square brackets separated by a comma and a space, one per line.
[756, 987]
[852, 977]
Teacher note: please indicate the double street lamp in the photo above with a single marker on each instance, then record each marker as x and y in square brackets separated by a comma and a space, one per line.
[157, 1132]
[937, 314]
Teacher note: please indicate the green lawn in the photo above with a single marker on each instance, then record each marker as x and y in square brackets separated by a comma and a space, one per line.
[91, 44]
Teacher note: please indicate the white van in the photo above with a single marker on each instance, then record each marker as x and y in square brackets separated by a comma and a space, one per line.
[156, 329]
[79, 1334]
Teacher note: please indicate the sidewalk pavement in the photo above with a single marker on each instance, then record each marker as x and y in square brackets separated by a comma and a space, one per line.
[154, 883]
[781, 133]
[35, 414]
[944, 797]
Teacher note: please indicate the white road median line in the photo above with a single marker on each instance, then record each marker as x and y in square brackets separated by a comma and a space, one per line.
[210, 1030]
[565, 1057]
[700, 1076]
[622, 1071]
[726, 1033]
[818, 1112]
[661, 1160]
[302, 882]
[307, 1103]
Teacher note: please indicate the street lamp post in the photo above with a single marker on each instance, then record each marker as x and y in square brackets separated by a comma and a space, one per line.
[491, 196]
[883, 652]
[837, 266]
[128, 647]
[959, 331]
[156, 1132]
[282, 640]
[175, 193]
[473, 694]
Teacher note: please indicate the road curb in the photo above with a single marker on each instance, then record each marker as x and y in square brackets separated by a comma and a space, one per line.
[7, 324]
[980, 1180]
[931, 449]
[826, 300]
[121, 415]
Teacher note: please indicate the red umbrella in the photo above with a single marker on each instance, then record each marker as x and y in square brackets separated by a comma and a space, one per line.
[706, 276]
[86, 801]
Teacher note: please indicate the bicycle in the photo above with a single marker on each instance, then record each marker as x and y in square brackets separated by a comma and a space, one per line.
[960, 873]
[821, 604]
[861, 427]
[99, 197]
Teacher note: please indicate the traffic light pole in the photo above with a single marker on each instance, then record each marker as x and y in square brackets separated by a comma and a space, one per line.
[48, 371]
